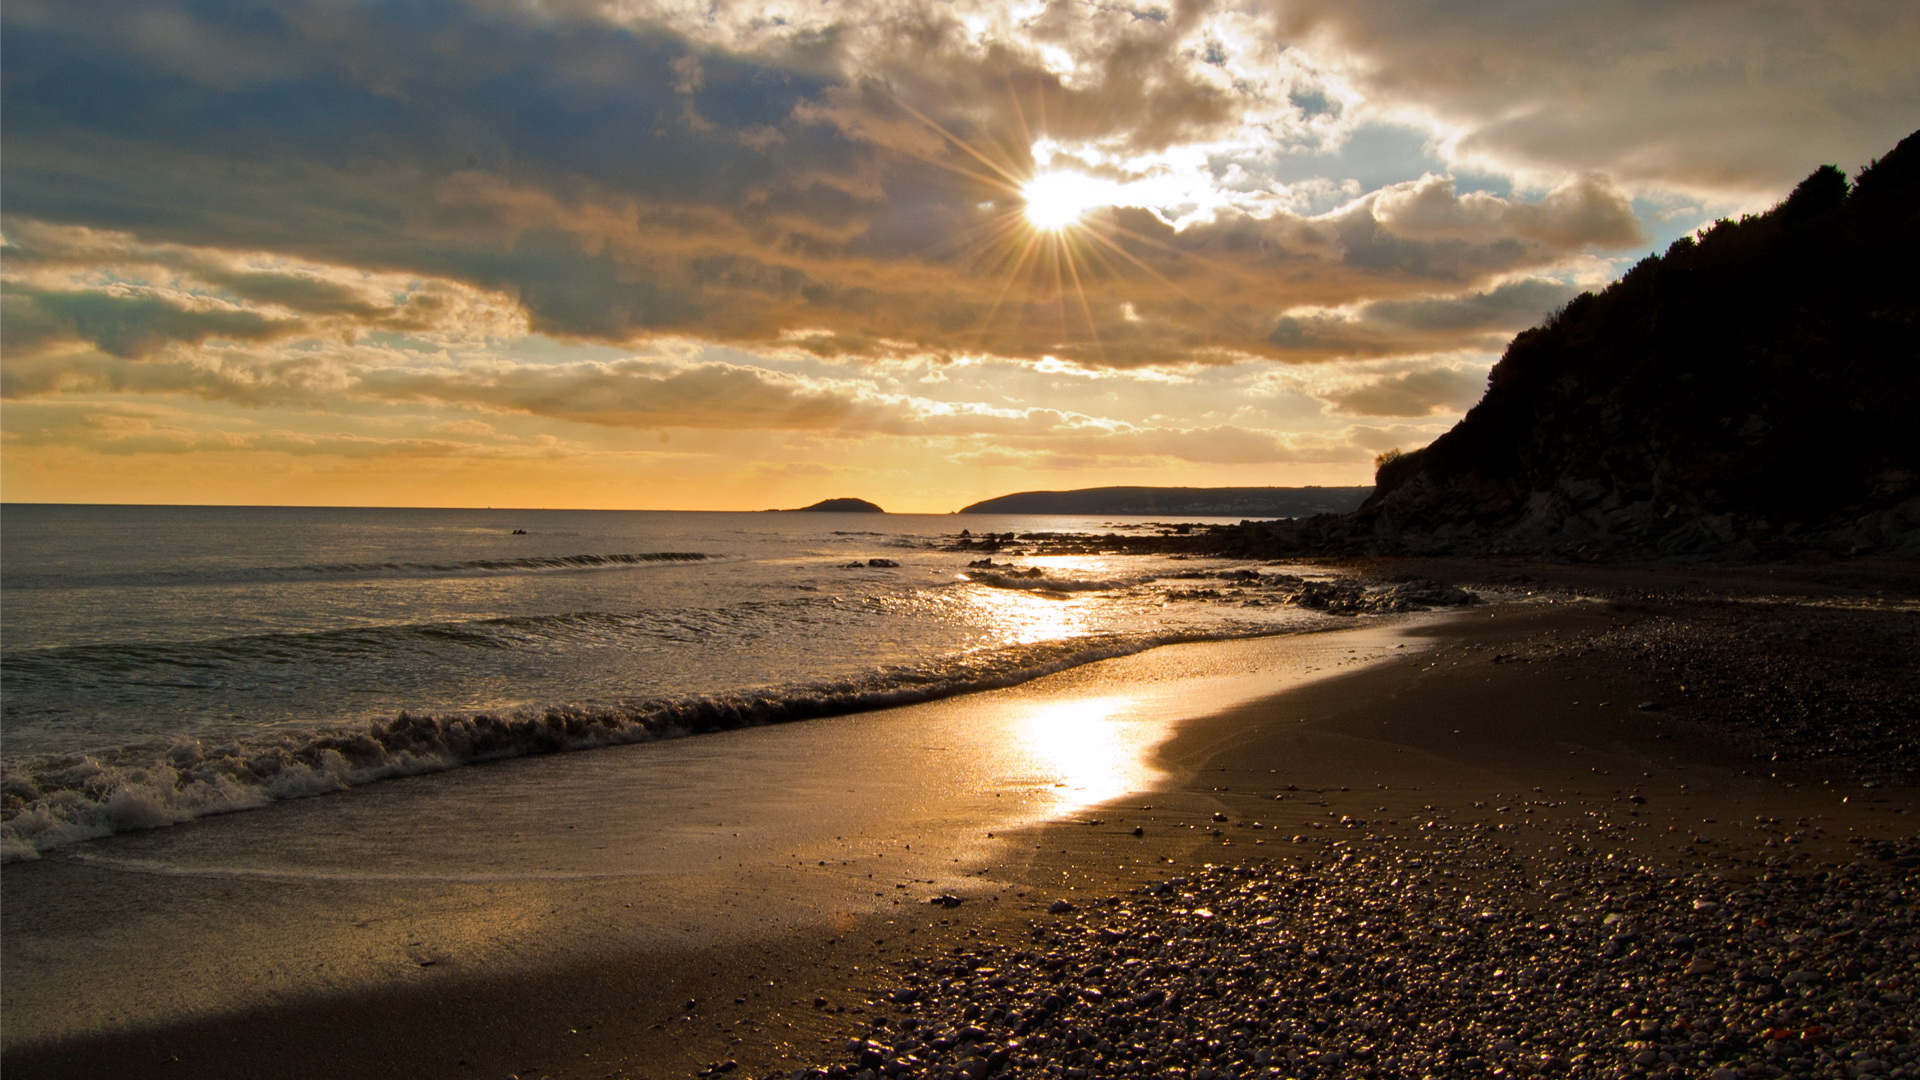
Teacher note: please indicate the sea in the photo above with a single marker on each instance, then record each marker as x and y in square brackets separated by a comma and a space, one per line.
[164, 663]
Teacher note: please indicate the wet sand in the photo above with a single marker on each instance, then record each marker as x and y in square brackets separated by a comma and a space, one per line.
[234, 963]
[555, 890]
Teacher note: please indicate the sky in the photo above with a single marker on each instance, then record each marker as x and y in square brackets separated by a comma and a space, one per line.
[660, 254]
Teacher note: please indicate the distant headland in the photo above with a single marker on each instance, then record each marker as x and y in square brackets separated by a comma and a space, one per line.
[835, 506]
[1241, 502]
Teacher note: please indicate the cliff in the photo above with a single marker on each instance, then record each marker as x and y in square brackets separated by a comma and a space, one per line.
[1749, 393]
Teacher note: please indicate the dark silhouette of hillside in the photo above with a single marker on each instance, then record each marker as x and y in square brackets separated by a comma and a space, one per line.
[1752, 392]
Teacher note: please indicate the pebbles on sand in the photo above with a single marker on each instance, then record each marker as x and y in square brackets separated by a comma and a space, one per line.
[1377, 960]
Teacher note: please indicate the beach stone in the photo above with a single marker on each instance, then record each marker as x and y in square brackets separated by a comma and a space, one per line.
[1275, 970]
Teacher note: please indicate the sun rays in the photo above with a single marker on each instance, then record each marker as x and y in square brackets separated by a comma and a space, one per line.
[1057, 199]
[1051, 245]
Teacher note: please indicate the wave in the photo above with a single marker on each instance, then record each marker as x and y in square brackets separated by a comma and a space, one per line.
[321, 571]
[535, 562]
[214, 663]
[51, 802]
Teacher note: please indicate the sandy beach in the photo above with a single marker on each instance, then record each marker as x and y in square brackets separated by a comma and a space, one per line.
[620, 914]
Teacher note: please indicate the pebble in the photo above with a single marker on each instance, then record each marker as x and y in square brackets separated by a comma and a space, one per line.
[1446, 957]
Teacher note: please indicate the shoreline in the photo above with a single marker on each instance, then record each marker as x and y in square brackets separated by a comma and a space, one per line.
[510, 879]
[1448, 731]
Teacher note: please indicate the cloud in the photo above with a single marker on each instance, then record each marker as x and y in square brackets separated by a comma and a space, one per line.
[1479, 320]
[1415, 393]
[634, 393]
[127, 322]
[118, 429]
[1737, 100]
[67, 286]
[623, 180]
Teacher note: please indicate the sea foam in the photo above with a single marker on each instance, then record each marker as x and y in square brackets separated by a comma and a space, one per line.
[51, 802]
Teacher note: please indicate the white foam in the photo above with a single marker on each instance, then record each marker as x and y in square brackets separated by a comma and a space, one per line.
[59, 801]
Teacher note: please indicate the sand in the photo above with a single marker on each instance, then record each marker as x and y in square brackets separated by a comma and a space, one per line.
[307, 941]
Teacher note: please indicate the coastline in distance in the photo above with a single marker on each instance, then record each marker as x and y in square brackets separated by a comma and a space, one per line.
[1201, 502]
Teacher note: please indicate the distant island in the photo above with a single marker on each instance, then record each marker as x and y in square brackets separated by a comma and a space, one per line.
[836, 506]
[1243, 502]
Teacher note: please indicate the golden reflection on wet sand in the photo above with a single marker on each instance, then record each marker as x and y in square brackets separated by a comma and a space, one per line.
[1091, 750]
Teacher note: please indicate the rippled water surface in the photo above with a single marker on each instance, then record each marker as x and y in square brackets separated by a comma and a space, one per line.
[164, 662]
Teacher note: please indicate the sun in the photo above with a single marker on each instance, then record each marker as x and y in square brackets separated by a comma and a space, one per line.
[1058, 200]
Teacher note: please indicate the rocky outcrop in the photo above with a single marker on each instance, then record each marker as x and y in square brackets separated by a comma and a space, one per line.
[1750, 393]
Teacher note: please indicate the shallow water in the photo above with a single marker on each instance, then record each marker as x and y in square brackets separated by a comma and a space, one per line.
[165, 663]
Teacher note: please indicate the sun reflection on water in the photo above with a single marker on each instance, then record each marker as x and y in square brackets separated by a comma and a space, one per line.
[1023, 617]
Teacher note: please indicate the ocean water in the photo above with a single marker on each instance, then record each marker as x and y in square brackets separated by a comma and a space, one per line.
[159, 664]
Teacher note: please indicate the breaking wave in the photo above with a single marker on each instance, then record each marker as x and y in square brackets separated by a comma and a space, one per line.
[55, 801]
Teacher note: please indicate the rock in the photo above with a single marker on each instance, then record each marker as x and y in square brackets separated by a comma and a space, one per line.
[882, 563]
[1060, 907]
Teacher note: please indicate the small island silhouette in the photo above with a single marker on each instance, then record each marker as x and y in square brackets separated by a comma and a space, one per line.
[835, 506]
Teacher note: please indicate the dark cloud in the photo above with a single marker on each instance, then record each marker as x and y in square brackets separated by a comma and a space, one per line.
[68, 287]
[1414, 393]
[1433, 323]
[1736, 97]
[125, 322]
